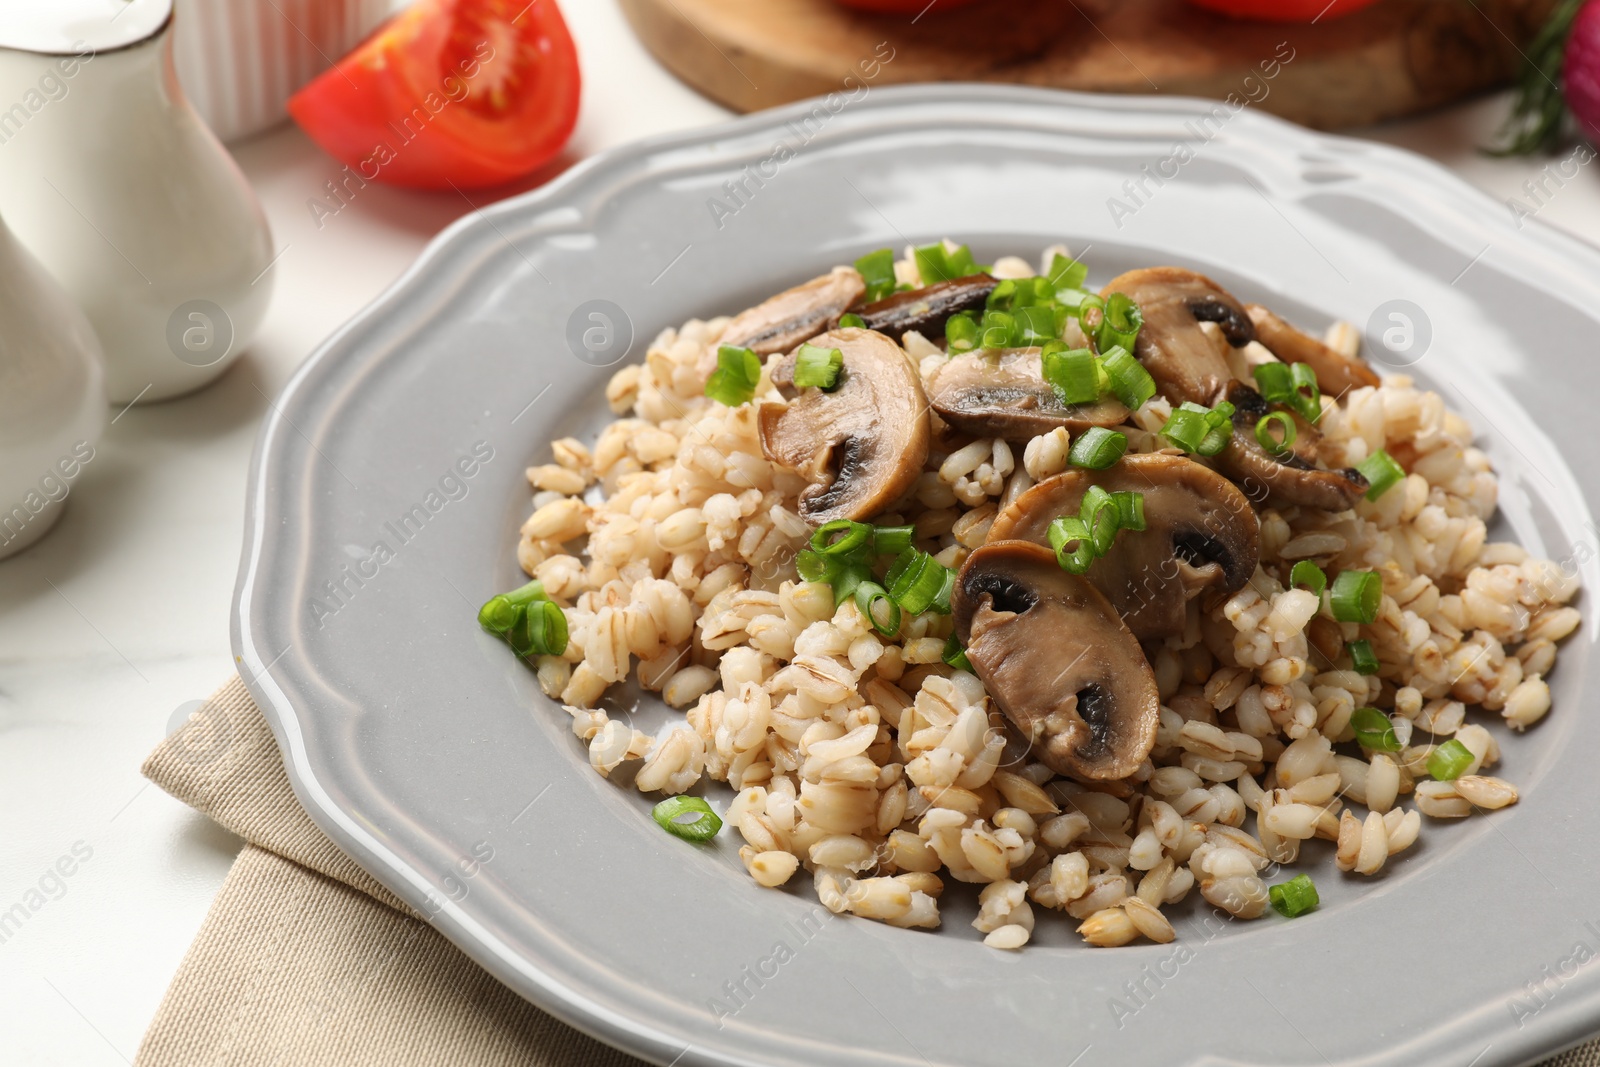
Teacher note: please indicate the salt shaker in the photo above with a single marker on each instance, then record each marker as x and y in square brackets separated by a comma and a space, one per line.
[52, 397]
[111, 179]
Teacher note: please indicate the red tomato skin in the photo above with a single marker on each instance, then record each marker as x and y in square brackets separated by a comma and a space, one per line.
[1580, 70]
[903, 7]
[366, 113]
[1284, 10]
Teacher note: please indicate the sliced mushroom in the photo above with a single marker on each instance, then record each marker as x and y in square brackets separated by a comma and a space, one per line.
[1337, 373]
[1004, 394]
[1296, 476]
[1172, 346]
[863, 443]
[779, 323]
[1057, 660]
[1200, 534]
[926, 310]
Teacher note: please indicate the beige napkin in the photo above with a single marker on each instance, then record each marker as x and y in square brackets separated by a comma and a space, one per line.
[306, 959]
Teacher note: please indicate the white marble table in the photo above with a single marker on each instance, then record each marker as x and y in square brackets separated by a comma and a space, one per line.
[120, 616]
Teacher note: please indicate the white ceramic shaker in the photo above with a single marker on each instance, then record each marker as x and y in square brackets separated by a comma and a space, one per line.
[52, 397]
[109, 176]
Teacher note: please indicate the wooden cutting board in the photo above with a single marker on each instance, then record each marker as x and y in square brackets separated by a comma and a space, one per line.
[1395, 58]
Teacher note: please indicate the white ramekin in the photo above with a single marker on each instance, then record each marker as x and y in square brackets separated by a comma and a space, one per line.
[239, 61]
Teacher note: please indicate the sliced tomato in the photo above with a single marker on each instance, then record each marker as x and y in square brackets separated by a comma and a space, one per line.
[905, 7]
[1284, 10]
[449, 92]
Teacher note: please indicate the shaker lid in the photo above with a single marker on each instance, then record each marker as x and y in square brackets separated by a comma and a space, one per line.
[63, 27]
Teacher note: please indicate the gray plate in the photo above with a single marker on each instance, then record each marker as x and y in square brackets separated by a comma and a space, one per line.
[428, 754]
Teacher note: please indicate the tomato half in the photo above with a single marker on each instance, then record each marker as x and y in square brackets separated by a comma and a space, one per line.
[464, 92]
[904, 7]
[1284, 10]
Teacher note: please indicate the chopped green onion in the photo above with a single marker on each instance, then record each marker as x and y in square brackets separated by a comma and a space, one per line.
[960, 262]
[500, 613]
[1357, 596]
[892, 540]
[1072, 372]
[851, 536]
[541, 631]
[1186, 427]
[1382, 473]
[814, 566]
[878, 608]
[1220, 434]
[669, 815]
[933, 263]
[1450, 760]
[877, 270]
[1130, 382]
[1035, 325]
[1308, 575]
[956, 656]
[852, 321]
[998, 328]
[941, 603]
[961, 332]
[1275, 381]
[1070, 530]
[735, 379]
[1067, 273]
[1373, 730]
[1278, 443]
[1099, 513]
[852, 573]
[1130, 510]
[1295, 897]
[915, 581]
[1097, 449]
[1121, 323]
[1307, 398]
[1091, 313]
[820, 367]
[1362, 659]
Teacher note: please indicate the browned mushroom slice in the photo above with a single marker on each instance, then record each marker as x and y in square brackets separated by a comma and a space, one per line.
[779, 323]
[926, 310]
[1057, 660]
[1296, 476]
[1172, 346]
[1200, 534]
[1004, 394]
[863, 443]
[1337, 373]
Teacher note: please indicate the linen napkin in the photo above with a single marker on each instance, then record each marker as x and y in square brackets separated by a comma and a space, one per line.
[305, 959]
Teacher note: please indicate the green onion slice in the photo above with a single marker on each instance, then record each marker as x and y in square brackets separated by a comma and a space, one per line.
[1295, 897]
[878, 608]
[915, 581]
[1382, 473]
[500, 613]
[1035, 325]
[852, 573]
[1100, 515]
[877, 270]
[1097, 449]
[998, 330]
[1067, 273]
[1187, 427]
[1130, 510]
[941, 603]
[933, 263]
[1373, 730]
[961, 332]
[1357, 596]
[851, 320]
[1072, 372]
[1275, 381]
[1449, 761]
[820, 367]
[956, 656]
[1280, 442]
[1130, 382]
[892, 540]
[1073, 544]
[815, 566]
[851, 537]
[1307, 395]
[1120, 325]
[1362, 659]
[735, 379]
[687, 817]
[542, 631]
[1308, 575]
[960, 263]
